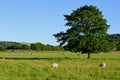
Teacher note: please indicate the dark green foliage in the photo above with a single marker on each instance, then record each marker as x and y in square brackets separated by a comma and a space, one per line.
[42, 47]
[36, 46]
[25, 47]
[118, 46]
[14, 47]
[115, 37]
[2, 48]
[87, 31]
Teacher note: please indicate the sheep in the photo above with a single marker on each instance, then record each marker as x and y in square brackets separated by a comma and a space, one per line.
[54, 65]
[102, 65]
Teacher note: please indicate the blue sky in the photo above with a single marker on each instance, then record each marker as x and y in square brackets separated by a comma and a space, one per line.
[37, 20]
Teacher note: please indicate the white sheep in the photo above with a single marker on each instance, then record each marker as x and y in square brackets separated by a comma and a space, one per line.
[55, 65]
[102, 65]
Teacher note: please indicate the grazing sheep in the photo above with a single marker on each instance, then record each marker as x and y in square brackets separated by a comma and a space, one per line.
[55, 65]
[102, 65]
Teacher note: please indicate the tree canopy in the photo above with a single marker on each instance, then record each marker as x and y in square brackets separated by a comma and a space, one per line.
[87, 31]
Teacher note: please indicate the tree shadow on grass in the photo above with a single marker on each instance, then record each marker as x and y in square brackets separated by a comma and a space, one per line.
[56, 59]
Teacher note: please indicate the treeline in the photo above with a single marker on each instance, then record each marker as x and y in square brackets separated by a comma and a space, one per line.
[115, 37]
[116, 40]
[6, 45]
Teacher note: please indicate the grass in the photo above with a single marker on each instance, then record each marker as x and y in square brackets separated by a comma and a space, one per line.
[37, 66]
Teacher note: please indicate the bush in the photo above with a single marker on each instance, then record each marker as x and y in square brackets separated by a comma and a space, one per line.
[118, 46]
[25, 47]
[2, 48]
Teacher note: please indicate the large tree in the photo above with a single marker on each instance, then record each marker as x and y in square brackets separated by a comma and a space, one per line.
[87, 31]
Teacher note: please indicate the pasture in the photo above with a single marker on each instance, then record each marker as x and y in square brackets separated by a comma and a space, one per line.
[37, 66]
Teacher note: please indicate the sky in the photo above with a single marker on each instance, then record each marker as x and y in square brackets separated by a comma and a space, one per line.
[37, 20]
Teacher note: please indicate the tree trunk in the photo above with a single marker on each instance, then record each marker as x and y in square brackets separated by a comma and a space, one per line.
[89, 56]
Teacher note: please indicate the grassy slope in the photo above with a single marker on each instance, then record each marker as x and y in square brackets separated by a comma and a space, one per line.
[36, 66]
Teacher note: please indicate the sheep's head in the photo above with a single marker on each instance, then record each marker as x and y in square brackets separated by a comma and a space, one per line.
[102, 65]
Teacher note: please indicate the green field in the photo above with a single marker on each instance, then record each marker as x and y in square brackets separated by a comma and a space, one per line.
[37, 66]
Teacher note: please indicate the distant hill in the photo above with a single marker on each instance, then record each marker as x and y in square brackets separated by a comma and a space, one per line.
[26, 43]
[9, 43]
